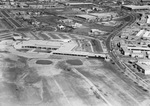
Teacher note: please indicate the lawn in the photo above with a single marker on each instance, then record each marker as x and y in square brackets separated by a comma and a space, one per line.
[44, 62]
[7, 24]
[74, 62]
[52, 20]
[96, 46]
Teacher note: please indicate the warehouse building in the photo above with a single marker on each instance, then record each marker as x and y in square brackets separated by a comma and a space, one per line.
[86, 17]
[148, 20]
[135, 7]
[143, 68]
[143, 33]
[140, 33]
[97, 16]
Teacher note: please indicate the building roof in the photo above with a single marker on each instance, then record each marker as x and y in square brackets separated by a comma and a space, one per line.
[102, 14]
[144, 61]
[145, 67]
[145, 0]
[68, 47]
[134, 7]
[139, 48]
[147, 34]
[140, 33]
[40, 43]
[86, 16]
[148, 20]
[78, 3]
[62, 47]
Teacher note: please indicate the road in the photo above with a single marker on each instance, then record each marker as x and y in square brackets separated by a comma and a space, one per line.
[132, 18]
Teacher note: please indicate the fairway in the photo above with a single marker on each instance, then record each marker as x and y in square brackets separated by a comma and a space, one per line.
[63, 36]
[44, 36]
[74, 62]
[7, 24]
[96, 46]
[14, 22]
[44, 62]
[54, 36]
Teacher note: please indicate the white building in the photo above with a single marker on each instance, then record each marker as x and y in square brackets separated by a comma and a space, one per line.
[55, 47]
[148, 20]
[136, 7]
[146, 34]
[143, 33]
[126, 51]
[138, 48]
[86, 17]
[77, 3]
[139, 55]
[140, 33]
[145, 69]
[104, 15]
[144, 61]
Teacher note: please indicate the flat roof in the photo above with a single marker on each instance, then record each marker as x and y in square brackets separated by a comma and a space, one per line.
[139, 48]
[145, 67]
[141, 32]
[40, 43]
[147, 34]
[146, 0]
[137, 6]
[146, 61]
[78, 3]
[103, 14]
[148, 20]
[66, 48]
[86, 16]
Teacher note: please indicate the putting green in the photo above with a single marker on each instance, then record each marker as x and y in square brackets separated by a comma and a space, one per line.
[74, 62]
[44, 62]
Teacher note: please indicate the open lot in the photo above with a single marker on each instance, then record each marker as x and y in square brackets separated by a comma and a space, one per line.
[5, 13]
[53, 36]
[14, 22]
[7, 24]
[44, 85]
[46, 79]
[52, 84]
[96, 46]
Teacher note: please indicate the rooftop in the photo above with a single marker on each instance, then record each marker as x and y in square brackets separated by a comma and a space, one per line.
[86, 16]
[138, 6]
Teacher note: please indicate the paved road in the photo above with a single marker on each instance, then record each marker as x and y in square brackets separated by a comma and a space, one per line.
[131, 18]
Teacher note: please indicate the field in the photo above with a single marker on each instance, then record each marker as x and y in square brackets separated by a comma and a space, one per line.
[97, 46]
[7, 24]
[52, 20]
[14, 22]
[53, 36]
[55, 84]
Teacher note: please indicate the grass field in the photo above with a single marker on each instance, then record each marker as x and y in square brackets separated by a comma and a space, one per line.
[44, 36]
[52, 20]
[96, 46]
[44, 62]
[63, 36]
[14, 22]
[53, 36]
[5, 13]
[7, 24]
[1, 26]
[74, 62]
